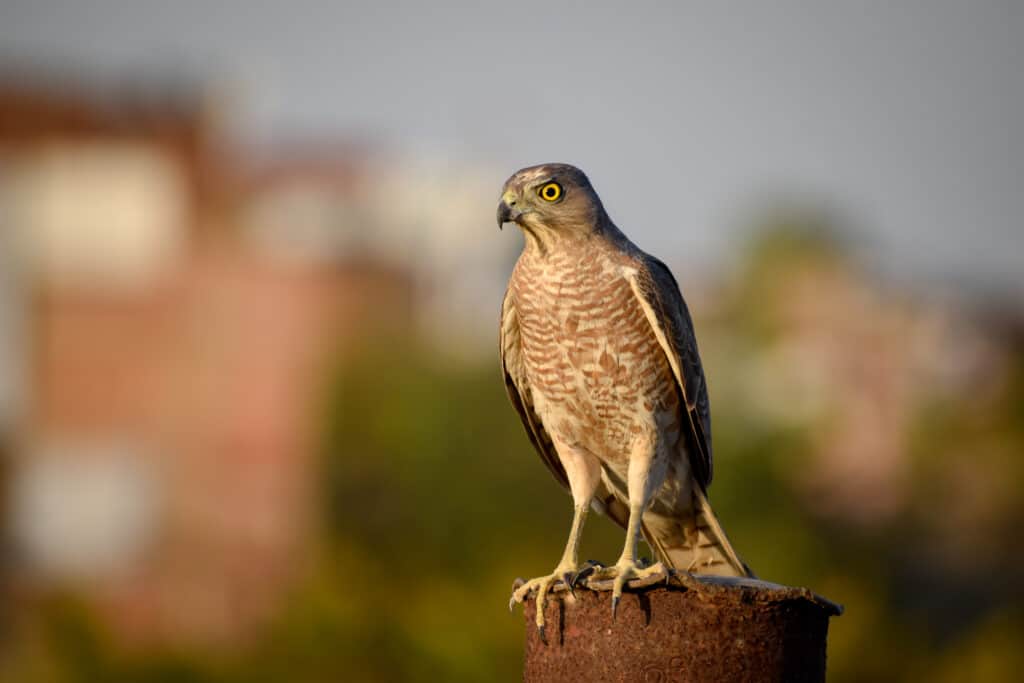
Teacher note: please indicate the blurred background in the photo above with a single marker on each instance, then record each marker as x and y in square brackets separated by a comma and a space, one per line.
[252, 424]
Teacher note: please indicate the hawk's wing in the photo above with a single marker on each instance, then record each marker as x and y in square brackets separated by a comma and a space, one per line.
[517, 384]
[518, 387]
[669, 317]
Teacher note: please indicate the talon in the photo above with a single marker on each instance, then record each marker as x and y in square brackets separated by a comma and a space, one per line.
[588, 570]
[543, 634]
[569, 580]
[539, 587]
[622, 573]
[511, 604]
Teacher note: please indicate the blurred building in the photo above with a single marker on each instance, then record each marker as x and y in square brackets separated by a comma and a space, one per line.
[166, 321]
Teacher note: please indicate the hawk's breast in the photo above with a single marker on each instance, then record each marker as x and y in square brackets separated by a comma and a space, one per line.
[598, 375]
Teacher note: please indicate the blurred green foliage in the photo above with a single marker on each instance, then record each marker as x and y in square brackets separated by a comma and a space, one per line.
[433, 502]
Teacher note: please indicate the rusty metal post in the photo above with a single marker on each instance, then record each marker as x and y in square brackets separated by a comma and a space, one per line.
[686, 629]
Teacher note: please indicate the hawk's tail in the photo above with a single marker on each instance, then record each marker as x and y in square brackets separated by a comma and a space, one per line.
[697, 544]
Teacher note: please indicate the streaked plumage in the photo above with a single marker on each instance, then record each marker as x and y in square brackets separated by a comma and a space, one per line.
[601, 363]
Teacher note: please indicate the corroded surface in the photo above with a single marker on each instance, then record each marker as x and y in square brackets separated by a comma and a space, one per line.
[689, 629]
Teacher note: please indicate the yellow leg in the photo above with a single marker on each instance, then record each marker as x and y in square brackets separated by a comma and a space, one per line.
[645, 474]
[566, 570]
[627, 569]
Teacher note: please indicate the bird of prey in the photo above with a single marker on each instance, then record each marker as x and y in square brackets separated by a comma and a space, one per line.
[600, 362]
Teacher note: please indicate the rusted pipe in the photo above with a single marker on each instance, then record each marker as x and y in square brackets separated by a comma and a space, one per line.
[687, 628]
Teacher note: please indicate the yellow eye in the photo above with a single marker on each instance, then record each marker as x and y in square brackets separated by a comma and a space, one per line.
[550, 192]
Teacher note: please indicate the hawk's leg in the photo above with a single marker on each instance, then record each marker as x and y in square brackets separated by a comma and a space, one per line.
[645, 475]
[583, 471]
[566, 571]
[628, 568]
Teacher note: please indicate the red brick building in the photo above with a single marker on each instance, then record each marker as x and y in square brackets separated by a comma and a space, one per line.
[169, 363]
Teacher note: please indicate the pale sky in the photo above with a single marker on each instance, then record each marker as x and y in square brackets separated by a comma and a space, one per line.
[905, 117]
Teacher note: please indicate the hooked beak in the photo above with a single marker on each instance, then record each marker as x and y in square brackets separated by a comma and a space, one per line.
[507, 212]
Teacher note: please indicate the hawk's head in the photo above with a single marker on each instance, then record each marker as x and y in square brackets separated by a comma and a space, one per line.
[554, 199]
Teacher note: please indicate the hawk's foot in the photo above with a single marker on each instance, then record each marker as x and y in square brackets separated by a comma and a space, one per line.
[623, 572]
[567, 574]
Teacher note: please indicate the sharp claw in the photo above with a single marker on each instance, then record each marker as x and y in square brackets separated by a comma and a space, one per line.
[570, 581]
[543, 634]
[511, 604]
[615, 605]
[587, 570]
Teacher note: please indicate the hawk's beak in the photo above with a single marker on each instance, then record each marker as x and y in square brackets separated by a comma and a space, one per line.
[507, 213]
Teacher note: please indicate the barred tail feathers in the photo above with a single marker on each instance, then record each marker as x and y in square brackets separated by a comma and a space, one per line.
[697, 545]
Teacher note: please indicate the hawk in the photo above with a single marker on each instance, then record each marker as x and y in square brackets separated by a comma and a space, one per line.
[601, 363]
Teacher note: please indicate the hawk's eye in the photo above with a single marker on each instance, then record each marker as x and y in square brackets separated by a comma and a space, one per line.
[550, 192]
